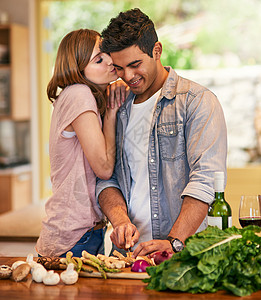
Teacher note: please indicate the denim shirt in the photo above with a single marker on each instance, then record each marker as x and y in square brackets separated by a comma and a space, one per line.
[187, 144]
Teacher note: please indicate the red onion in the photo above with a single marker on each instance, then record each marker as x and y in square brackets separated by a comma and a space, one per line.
[160, 256]
[140, 265]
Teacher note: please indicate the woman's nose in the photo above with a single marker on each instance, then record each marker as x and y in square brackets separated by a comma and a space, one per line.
[109, 59]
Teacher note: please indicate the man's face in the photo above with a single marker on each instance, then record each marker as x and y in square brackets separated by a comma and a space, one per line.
[136, 68]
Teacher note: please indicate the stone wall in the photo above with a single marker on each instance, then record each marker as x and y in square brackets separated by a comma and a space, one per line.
[239, 92]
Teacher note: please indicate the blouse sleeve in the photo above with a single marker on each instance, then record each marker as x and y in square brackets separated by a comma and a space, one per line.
[72, 102]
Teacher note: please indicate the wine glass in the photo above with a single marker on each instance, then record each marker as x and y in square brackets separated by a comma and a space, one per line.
[250, 210]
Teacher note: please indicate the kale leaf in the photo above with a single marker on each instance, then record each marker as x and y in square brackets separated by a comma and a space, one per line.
[212, 260]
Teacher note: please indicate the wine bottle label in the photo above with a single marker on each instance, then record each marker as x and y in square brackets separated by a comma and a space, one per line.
[221, 222]
[215, 221]
[229, 222]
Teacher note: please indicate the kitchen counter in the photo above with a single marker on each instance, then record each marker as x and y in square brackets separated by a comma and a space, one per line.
[16, 170]
[95, 289]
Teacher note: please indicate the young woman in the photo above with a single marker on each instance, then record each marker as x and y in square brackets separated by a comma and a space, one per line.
[79, 148]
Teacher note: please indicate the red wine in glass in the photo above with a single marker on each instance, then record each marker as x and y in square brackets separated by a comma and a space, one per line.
[250, 210]
[245, 221]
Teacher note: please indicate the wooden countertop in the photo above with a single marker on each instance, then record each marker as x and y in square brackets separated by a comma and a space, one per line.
[96, 289]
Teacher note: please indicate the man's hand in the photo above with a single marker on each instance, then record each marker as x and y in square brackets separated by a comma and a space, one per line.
[148, 248]
[125, 236]
[113, 205]
[117, 92]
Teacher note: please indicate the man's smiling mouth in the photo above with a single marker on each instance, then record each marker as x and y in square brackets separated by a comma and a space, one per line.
[134, 83]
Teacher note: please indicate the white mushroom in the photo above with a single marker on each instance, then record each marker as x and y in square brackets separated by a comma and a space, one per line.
[38, 273]
[17, 263]
[51, 278]
[31, 262]
[69, 276]
[36, 265]
[30, 258]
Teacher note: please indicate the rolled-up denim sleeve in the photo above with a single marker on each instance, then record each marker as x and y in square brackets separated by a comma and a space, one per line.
[206, 144]
[104, 184]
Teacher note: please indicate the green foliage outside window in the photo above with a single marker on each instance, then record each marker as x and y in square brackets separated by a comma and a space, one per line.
[228, 28]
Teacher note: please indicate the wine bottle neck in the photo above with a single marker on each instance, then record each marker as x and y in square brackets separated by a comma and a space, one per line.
[219, 181]
[219, 196]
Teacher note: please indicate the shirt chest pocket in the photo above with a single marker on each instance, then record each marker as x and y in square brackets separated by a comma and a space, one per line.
[171, 141]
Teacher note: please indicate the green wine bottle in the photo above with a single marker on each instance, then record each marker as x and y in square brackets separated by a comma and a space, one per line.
[219, 213]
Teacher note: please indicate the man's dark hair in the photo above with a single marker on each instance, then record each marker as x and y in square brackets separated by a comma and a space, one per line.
[129, 28]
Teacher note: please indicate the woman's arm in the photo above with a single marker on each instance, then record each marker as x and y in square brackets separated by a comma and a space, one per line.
[98, 146]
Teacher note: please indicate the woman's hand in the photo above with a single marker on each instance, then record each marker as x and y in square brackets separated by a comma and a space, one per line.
[117, 92]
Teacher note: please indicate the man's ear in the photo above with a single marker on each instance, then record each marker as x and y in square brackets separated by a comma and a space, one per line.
[157, 50]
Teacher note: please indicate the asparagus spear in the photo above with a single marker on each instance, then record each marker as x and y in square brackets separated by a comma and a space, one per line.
[95, 265]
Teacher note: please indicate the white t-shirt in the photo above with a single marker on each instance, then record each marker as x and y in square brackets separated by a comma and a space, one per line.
[136, 147]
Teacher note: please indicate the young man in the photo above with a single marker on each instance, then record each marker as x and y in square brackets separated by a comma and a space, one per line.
[171, 138]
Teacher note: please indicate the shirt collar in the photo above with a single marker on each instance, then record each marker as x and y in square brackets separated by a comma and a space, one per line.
[169, 88]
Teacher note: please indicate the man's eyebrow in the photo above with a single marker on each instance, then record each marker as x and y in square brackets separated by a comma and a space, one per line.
[130, 64]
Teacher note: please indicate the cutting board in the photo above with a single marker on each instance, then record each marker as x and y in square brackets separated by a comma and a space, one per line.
[125, 274]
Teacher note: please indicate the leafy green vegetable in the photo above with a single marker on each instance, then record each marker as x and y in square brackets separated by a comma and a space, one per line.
[212, 260]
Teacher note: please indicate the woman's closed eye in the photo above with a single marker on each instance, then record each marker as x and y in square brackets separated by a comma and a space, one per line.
[99, 60]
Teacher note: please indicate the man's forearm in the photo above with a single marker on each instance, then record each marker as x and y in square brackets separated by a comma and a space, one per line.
[114, 206]
[192, 214]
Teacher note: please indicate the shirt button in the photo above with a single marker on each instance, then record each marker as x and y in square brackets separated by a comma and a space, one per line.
[153, 188]
[155, 215]
[152, 160]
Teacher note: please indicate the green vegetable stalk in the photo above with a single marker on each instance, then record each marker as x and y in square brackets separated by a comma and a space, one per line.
[78, 264]
[212, 260]
[95, 265]
[90, 259]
